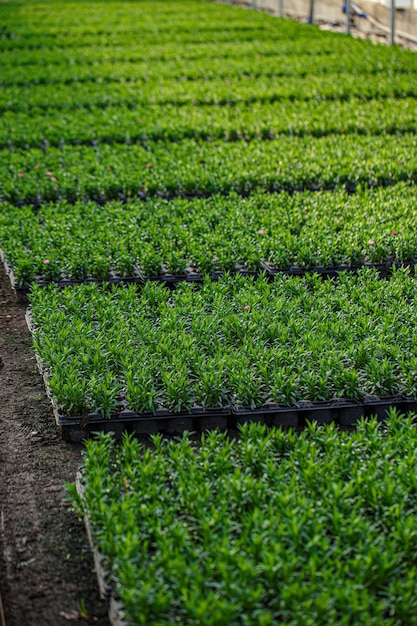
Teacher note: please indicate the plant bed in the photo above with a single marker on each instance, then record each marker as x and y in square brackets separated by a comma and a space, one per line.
[273, 527]
[171, 280]
[205, 122]
[213, 69]
[99, 173]
[190, 238]
[168, 280]
[290, 350]
[342, 413]
[214, 92]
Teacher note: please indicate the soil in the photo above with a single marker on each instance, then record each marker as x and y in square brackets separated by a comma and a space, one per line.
[46, 568]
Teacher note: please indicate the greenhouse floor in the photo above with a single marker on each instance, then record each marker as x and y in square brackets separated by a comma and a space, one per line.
[43, 580]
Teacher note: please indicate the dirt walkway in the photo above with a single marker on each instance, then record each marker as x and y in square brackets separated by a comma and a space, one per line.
[46, 570]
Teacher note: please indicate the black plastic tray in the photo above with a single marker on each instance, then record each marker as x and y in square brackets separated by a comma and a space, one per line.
[343, 413]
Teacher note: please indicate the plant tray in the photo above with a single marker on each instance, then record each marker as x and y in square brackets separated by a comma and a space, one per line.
[342, 412]
[170, 280]
[114, 607]
[197, 420]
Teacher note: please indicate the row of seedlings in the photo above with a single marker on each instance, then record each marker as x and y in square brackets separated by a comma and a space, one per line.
[186, 239]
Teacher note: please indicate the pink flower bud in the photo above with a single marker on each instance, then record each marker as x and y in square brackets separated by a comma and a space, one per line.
[394, 232]
[54, 179]
[371, 242]
[20, 175]
[148, 165]
[247, 307]
[261, 232]
[46, 261]
[49, 173]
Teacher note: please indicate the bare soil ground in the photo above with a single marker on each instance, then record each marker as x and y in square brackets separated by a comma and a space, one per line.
[46, 569]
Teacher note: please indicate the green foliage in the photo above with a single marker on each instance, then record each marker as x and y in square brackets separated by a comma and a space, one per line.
[94, 100]
[243, 121]
[235, 341]
[107, 172]
[217, 233]
[271, 528]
